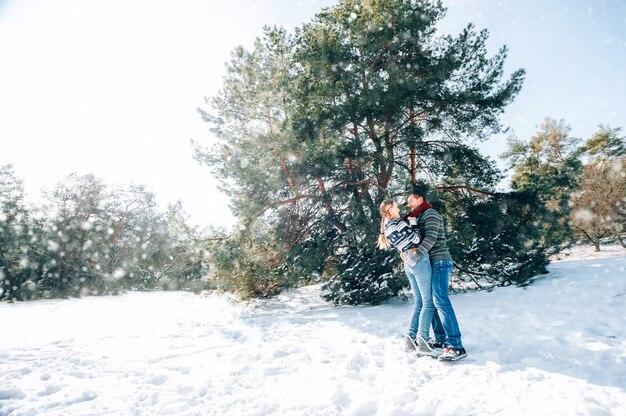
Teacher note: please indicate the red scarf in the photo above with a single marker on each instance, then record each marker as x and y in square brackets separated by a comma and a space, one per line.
[417, 211]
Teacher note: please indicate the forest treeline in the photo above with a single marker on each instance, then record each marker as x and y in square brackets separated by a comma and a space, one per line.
[563, 191]
[314, 129]
[89, 238]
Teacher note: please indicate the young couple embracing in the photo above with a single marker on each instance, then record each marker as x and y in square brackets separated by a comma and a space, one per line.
[420, 237]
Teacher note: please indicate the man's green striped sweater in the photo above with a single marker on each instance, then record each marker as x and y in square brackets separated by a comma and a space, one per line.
[430, 224]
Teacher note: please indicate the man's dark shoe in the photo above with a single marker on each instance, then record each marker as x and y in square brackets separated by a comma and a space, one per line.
[435, 345]
[453, 354]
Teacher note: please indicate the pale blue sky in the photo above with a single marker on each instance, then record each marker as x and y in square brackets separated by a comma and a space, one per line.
[111, 87]
[574, 53]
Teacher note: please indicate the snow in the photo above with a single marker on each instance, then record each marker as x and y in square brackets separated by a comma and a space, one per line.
[557, 347]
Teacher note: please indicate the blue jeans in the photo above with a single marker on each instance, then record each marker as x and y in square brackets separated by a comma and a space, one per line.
[441, 271]
[423, 306]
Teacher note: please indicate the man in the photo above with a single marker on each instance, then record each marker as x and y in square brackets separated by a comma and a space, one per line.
[430, 224]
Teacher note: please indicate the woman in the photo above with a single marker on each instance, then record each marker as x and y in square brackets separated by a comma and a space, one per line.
[397, 233]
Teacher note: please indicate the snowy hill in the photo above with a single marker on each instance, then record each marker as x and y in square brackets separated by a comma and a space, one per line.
[557, 347]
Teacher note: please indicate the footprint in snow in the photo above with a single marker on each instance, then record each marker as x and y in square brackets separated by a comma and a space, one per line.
[157, 380]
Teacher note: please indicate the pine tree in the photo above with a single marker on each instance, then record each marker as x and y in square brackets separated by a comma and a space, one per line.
[316, 129]
[548, 167]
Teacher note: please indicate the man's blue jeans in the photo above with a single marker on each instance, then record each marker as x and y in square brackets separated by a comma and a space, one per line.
[441, 271]
[423, 306]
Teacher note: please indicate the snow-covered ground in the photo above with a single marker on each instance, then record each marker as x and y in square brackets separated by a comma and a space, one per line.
[557, 347]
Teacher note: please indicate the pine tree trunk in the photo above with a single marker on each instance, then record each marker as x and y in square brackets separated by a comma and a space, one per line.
[329, 207]
[412, 165]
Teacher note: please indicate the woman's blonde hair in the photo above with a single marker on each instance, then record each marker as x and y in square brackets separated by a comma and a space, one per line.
[383, 242]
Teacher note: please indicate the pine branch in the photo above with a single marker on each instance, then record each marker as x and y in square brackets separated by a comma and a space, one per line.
[386, 48]
[411, 119]
[292, 184]
[216, 238]
[287, 201]
[469, 188]
[472, 275]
